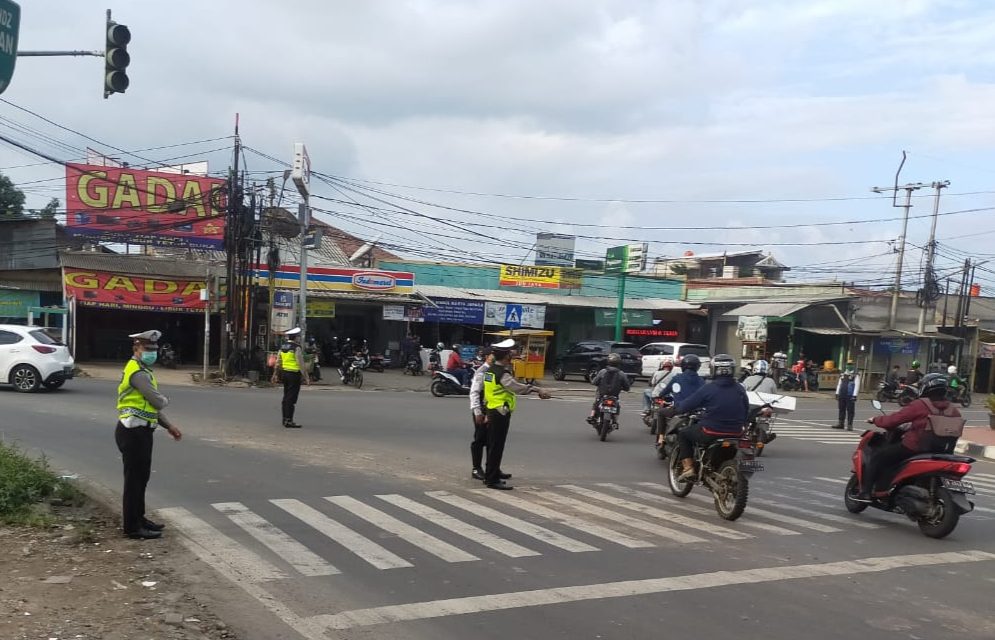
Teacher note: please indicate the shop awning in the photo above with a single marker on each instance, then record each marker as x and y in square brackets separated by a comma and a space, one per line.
[366, 298]
[767, 309]
[824, 331]
[552, 299]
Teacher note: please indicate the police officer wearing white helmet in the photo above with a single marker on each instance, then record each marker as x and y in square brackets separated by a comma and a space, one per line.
[139, 409]
[290, 366]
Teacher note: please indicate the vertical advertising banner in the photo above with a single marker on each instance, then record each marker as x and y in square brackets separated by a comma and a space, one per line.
[125, 205]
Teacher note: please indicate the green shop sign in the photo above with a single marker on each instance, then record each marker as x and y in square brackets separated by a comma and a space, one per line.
[15, 304]
[606, 318]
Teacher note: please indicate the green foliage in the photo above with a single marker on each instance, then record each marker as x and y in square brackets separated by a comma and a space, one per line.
[24, 483]
[49, 210]
[11, 198]
[990, 401]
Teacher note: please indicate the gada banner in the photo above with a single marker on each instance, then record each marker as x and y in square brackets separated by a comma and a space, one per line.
[138, 293]
[539, 277]
[120, 204]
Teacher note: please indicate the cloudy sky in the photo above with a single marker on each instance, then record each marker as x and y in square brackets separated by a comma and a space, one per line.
[793, 108]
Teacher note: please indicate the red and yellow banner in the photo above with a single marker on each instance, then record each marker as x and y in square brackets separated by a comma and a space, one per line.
[112, 204]
[139, 293]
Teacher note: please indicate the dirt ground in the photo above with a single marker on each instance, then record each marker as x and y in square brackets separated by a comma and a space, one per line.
[80, 579]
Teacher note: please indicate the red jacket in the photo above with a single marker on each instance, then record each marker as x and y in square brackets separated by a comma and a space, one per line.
[915, 413]
[455, 362]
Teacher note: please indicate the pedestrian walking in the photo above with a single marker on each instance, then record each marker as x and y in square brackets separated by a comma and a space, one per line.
[290, 367]
[139, 410]
[500, 400]
[846, 396]
[478, 413]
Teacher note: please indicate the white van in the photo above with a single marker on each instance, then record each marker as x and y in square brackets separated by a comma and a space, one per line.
[656, 352]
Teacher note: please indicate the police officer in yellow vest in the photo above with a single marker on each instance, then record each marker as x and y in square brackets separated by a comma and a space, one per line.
[500, 388]
[290, 365]
[139, 410]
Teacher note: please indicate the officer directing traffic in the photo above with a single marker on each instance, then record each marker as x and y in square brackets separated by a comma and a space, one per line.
[290, 366]
[139, 409]
[500, 388]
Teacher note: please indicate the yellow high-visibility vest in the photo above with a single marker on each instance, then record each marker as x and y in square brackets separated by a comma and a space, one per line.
[130, 401]
[495, 395]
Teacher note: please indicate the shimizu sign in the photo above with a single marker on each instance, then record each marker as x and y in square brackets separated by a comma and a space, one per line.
[10, 25]
[539, 277]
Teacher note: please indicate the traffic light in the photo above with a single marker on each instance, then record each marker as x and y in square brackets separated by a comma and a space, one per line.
[116, 57]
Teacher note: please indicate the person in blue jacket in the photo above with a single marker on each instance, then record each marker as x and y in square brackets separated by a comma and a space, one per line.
[690, 382]
[726, 408]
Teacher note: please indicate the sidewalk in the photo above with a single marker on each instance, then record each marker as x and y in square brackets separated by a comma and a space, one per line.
[977, 442]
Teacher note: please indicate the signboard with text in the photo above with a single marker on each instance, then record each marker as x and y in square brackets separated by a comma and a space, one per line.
[455, 311]
[335, 279]
[539, 277]
[125, 205]
[282, 318]
[403, 313]
[15, 304]
[318, 308]
[554, 250]
[630, 258]
[630, 318]
[140, 293]
[532, 316]
[752, 328]
[10, 25]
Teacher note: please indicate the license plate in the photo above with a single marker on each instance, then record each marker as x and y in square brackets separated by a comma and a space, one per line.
[610, 409]
[750, 466]
[960, 486]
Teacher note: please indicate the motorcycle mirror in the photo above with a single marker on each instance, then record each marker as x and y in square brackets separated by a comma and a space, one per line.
[676, 387]
[876, 404]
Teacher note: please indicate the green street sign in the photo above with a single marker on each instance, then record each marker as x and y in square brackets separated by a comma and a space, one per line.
[10, 25]
[630, 258]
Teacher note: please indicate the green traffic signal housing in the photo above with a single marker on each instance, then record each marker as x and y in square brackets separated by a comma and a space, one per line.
[116, 58]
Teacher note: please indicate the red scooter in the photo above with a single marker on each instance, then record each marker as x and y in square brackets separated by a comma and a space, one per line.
[928, 488]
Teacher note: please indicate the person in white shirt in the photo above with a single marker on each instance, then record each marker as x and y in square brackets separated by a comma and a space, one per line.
[661, 377]
[846, 396]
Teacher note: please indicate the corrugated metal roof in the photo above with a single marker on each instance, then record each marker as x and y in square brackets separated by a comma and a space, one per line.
[768, 309]
[137, 265]
[824, 331]
[552, 300]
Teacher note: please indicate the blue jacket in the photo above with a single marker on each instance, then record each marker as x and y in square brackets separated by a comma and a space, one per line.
[690, 382]
[725, 403]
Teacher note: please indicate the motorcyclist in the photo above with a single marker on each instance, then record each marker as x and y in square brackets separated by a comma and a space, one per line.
[690, 382]
[611, 381]
[726, 410]
[435, 357]
[955, 382]
[914, 375]
[894, 376]
[663, 375]
[759, 381]
[917, 438]
[457, 368]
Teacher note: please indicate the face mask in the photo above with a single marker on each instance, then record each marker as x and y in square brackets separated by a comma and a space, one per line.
[149, 357]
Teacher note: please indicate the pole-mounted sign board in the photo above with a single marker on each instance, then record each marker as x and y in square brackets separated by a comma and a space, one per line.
[300, 171]
[630, 258]
[10, 25]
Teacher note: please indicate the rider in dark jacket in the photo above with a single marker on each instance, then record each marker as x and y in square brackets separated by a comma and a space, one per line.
[611, 381]
[726, 408]
[690, 382]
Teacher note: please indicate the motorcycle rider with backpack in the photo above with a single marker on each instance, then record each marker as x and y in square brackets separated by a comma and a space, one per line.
[919, 437]
[611, 381]
[759, 381]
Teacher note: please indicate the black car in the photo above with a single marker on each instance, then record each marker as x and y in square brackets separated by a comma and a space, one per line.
[588, 357]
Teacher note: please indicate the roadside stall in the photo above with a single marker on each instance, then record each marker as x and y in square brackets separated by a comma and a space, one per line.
[530, 363]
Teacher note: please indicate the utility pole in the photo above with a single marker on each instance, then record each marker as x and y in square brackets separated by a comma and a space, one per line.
[300, 172]
[908, 188]
[929, 285]
[302, 215]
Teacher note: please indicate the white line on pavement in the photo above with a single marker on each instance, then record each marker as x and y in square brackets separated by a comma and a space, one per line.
[464, 529]
[357, 544]
[560, 595]
[305, 561]
[683, 505]
[402, 530]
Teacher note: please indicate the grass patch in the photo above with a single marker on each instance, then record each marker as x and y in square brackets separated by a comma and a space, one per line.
[28, 487]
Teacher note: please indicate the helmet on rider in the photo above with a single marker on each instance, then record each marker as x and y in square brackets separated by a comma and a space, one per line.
[933, 386]
[440, 347]
[952, 370]
[690, 362]
[723, 366]
[760, 368]
[666, 364]
[915, 364]
[614, 360]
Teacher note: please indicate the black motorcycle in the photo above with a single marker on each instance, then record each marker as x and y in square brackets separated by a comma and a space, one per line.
[168, 357]
[961, 393]
[606, 417]
[760, 428]
[377, 363]
[413, 365]
[792, 381]
[887, 391]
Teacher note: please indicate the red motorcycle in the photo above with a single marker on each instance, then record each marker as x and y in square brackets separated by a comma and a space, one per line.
[928, 488]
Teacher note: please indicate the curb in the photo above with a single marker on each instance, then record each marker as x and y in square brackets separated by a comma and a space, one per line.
[976, 450]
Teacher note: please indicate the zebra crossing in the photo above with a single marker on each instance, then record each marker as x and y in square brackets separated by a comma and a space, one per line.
[330, 536]
[815, 432]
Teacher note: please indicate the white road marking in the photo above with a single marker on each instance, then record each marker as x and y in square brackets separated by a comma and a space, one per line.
[831, 517]
[623, 589]
[305, 561]
[833, 480]
[363, 547]
[654, 512]
[770, 515]
[675, 535]
[404, 531]
[532, 530]
[464, 529]
[573, 522]
[218, 550]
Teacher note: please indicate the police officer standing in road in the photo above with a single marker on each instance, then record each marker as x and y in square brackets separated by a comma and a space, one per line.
[139, 410]
[290, 366]
[478, 409]
[500, 388]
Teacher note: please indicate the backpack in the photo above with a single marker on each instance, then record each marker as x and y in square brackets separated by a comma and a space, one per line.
[944, 424]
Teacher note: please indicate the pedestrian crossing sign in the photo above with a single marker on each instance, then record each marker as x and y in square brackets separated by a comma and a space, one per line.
[513, 316]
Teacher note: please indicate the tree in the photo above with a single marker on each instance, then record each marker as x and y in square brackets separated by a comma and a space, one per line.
[11, 198]
[49, 210]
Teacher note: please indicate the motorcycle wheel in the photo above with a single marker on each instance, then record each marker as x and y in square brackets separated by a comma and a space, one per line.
[559, 373]
[882, 396]
[732, 492]
[944, 521]
[849, 495]
[674, 471]
[965, 400]
[589, 376]
[357, 379]
[604, 427]
[438, 389]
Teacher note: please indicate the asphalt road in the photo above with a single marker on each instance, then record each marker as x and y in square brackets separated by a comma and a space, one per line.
[365, 524]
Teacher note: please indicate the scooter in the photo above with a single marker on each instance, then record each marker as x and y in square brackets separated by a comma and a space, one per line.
[167, 356]
[887, 391]
[906, 394]
[377, 363]
[928, 488]
[446, 384]
[413, 365]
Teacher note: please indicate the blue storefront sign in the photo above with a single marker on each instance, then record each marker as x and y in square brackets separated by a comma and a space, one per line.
[897, 346]
[455, 311]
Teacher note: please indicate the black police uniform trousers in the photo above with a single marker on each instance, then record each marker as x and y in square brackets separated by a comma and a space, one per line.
[291, 390]
[847, 406]
[135, 445]
[478, 444]
[497, 433]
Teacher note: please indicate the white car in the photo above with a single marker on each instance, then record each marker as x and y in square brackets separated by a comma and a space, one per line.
[31, 359]
[656, 352]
